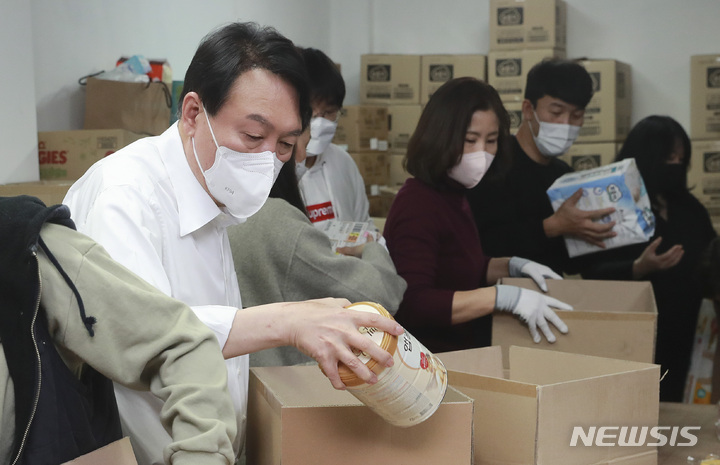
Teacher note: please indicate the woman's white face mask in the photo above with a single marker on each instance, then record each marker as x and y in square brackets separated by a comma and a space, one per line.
[554, 139]
[240, 181]
[472, 168]
[322, 132]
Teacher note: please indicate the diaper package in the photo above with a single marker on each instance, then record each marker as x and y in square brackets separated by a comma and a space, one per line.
[617, 185]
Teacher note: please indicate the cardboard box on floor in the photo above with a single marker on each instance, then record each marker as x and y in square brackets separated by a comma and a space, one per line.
[362, 128]
[402, 121]
[614, 319]
[119, 452]
[390, 79]
[398, 175]
[705, 96]
[608, 115]
[296, 417]
[374, 166]
[518, 24]
[50, 192]
[68, 154]
[704, 174]
[528, 415]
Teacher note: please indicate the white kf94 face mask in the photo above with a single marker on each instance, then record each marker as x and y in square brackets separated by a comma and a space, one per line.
[472, 168]
[554, 139]
[322, 132]
[240, 181]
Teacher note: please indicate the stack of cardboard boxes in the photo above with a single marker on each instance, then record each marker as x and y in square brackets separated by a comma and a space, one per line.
[522, 34]
[704, 173]
[403, 84]
[607, 116]
[64, 156]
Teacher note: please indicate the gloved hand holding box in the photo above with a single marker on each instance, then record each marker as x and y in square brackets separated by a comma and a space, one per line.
[617, 185]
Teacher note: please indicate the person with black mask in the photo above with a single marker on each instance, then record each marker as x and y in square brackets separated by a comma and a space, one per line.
[683, 230]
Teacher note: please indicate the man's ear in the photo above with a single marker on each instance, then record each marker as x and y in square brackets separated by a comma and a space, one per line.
[191, 108]
[527, 110]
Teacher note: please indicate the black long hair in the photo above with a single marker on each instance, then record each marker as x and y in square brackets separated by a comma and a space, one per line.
[286, 186]
[651, 142]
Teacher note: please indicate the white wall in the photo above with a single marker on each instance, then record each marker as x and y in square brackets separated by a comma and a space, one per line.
[18, 127]
[74, 38]
[656, 37]
[71, 38]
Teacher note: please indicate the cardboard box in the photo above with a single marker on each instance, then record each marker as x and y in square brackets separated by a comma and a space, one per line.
[50, 192]
[514, 110]
[436, 70]
[362, 128]
[704, 174]
[390, 79]
[374, 166]
[379, 222]
[119, 452]
[398, 175]
[402, 121]
[507, 70]
[68, 154]
[582, 157]
[614, 319]
[528, 416]
[296, 417]
[518, 24]
[705, 97]
[608, 115]
[617, 185]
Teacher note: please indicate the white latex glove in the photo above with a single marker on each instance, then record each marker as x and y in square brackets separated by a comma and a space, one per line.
[522, 267]
[533, 308]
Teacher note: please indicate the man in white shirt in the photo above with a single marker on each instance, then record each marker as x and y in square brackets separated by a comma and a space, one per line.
[161, 207]
[330, 182]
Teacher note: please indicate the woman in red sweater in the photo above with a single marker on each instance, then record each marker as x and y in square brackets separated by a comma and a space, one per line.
[431, 234]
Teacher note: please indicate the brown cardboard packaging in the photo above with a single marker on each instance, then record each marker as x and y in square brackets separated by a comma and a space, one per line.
[518, 24]
[362, 128]
[50, 192]
[398, 175]
[119, 452]
[705, 97]
[296, 417]
[608, 115]
[436, 70]
[514, 110]
[507, 70]
[390, 79]
[402, 121]
[374, 166]
[587, 156]
[528, 416]
[704, 174]
[68, 154]
[615, 319]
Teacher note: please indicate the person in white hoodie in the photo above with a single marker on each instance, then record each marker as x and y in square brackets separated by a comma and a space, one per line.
[330, 182]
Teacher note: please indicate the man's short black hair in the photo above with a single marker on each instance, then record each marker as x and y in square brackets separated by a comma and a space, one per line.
[231, 50]
[326, 82]
[566, 80]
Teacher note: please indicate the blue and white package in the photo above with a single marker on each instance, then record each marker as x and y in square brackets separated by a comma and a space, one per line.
[617, 185]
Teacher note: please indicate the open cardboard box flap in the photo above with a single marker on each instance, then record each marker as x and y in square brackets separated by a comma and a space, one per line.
[613, 319]
[545, 395]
